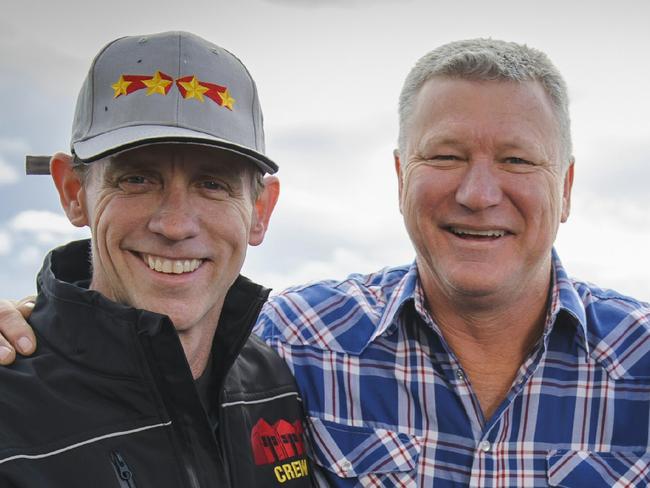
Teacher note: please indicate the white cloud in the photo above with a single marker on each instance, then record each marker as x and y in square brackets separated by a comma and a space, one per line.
[45, 227]
[8, 174]
[39, 221]
[30, 256]
[601, 242]
[336, 265]
[14, 145]
[5, 243]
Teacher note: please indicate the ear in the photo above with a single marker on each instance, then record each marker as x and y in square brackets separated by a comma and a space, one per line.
[71, 192]
[566, 192]
[400, 180]
[263, 209]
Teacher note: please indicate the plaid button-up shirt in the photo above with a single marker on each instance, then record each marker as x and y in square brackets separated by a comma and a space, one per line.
[388, 403]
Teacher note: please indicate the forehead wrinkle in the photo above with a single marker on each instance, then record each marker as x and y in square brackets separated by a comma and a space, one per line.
[530, 103]
[210, 161]
[174, 159]
[491, 137]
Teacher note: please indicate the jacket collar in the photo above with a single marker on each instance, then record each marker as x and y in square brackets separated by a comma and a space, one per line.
[88, 327]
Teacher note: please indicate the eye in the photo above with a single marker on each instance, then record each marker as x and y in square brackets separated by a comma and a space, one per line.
[444, 160]
[135, 179]
[213, 185]
[445, 157]
[135, 183]
[515, 160]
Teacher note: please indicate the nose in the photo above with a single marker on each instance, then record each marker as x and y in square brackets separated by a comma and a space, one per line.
[174, 217]
[480, 187]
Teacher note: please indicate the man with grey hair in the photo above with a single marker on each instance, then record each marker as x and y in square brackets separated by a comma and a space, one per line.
[482, 363]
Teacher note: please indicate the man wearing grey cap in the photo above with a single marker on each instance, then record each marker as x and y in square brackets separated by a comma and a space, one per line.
[145, 374]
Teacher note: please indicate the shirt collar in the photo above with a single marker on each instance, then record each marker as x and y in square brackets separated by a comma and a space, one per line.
[564, 298]
[404, 291]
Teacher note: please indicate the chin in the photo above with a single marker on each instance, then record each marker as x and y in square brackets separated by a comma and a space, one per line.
[182, 320]
[182, 315]
[470, 286]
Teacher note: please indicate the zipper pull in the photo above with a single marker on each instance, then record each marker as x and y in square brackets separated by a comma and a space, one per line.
[122, 470]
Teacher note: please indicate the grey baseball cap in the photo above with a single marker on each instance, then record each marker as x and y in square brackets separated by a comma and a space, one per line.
[167, 87]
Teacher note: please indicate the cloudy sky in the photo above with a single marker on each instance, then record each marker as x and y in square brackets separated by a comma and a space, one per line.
[329, 73]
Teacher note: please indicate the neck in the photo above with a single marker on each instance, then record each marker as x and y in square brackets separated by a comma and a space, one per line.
[491, 341]
[197, 346]
[196, 338]
[507, 317]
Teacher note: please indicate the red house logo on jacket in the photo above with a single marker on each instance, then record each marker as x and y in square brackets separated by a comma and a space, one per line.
[277, 442]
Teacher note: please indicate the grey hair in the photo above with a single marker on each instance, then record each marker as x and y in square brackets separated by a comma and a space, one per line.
[80, 168]
[488, 60]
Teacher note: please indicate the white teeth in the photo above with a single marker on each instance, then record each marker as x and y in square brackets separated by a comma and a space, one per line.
[171, 266]
[482, 233]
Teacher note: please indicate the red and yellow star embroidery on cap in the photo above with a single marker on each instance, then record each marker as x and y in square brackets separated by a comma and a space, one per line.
[120, 86]
[127, 84]
[226, 100]
[193, 89]
[160, 83]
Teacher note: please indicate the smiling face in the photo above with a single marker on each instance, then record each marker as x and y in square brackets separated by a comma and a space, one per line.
[482, 188]
[170, 226]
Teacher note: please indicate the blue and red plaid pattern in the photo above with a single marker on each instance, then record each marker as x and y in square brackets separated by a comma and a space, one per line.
[389, 405]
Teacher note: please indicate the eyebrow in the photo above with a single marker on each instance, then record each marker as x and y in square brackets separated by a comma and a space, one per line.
[208, 168]
[441, 141]
[117, 166]
[513, 143]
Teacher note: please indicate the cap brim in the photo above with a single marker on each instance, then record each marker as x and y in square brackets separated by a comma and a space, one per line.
[125, 138]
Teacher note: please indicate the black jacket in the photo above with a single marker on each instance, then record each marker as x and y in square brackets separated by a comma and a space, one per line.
[108, 400]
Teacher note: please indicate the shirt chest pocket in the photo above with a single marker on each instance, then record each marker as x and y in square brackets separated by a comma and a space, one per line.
[362, 452]
[566, 468]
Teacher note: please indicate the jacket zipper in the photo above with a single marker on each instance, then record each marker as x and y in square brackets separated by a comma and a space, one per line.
[122, 470]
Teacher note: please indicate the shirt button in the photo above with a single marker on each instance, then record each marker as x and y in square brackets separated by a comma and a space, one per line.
[345, 466]
[460, 375]
[484, 446]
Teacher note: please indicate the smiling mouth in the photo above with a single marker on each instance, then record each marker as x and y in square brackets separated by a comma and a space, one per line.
[464, 233]
[171, 266]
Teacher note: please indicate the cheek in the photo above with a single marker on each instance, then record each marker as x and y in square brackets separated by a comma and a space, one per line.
[116, 218]
[539, 204]
[99, 219]
[229, 223]
[553, 201]
[423, 196]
